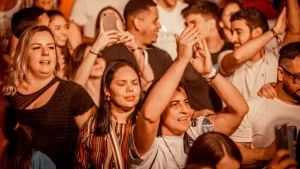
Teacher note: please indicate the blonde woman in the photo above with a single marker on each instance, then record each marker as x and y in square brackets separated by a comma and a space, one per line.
[52, 107]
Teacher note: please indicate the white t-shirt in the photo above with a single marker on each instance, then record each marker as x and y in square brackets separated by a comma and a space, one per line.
[258, 124]
[250, 77]
[5, 25]
[161, 153]
[85, 13]
[171, 23]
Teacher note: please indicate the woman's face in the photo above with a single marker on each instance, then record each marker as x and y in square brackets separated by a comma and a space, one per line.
[228, 11]
[177, 116]
[45, 4]
[60, 29]
[124, 90]
[98, 67]
[41, 55]
[228, 163]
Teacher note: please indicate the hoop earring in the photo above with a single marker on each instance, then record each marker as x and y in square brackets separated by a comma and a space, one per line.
[107, 98]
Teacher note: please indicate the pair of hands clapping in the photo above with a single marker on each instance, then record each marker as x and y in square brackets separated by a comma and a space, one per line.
[192, 48]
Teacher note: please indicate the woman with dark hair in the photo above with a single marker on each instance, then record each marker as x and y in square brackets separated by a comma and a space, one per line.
[17, 148]
[164, 131]
[104, 139]
[52, 107]
[214, 150]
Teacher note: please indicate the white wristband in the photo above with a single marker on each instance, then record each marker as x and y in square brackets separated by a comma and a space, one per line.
[211, 74]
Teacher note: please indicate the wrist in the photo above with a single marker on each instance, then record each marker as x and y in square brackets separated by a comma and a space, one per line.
[209, 77]
[183, 59]
[275, 34]
[95, 49]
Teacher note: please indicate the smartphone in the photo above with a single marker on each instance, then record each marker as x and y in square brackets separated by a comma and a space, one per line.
[285, 135]
[109, 22]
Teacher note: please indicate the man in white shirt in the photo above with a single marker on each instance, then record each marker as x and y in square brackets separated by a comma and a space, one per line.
[172, 22]
[84, 14]
[257, 128]
[249, 65]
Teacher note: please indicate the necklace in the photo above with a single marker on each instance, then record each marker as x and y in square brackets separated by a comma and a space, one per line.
[170, 152]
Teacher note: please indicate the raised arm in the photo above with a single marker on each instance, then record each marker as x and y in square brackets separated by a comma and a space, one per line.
[293, 14]
[103, 40]
[148, 121]
[144, 67]
[234, 60]
[228, 120]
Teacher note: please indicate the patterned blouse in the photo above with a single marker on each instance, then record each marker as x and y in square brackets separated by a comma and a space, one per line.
[95, 151]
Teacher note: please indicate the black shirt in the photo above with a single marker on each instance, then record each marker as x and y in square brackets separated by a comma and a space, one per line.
[159, 60]
[53, 125]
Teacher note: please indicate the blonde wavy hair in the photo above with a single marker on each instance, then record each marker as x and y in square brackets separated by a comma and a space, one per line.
[18, 69]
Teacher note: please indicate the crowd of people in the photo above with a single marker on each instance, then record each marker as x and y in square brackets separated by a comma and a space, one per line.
[195, 84]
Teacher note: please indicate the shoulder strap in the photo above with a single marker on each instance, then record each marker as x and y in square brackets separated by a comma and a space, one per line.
[23, 101]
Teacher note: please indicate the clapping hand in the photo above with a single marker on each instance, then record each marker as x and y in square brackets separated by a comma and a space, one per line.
[186, 41]
[201, 60]
[281, 22]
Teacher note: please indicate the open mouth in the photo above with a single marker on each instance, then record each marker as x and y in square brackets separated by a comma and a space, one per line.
[183, 119]
[45, 62]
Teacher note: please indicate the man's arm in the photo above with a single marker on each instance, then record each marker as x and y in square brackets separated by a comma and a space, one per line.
[256, 158]
[293, 14]
[245, 52]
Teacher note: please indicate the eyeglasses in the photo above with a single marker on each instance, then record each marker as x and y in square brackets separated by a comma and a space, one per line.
[295, 77]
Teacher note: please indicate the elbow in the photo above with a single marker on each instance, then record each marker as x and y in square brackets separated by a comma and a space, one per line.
[243, 110]
[237, 58]
[149, 116]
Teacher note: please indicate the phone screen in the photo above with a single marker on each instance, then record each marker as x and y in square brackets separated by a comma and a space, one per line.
[285, 137]
[109, 22]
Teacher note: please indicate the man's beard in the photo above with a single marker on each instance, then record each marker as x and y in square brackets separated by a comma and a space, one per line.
[287, 89]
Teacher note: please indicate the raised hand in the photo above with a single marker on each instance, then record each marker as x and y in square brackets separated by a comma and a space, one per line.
[186, 41]
[105, 39]
[201, 61]
[127, 39]
[281, 22]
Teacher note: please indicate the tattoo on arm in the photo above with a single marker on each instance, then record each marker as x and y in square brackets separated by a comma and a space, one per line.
[246, 144]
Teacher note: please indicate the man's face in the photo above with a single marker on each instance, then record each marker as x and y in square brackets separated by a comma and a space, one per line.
[241, 33]
[199, 21]
[149, 25]
[289, 87]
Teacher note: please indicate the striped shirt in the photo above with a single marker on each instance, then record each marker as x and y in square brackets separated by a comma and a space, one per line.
[95, 151]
